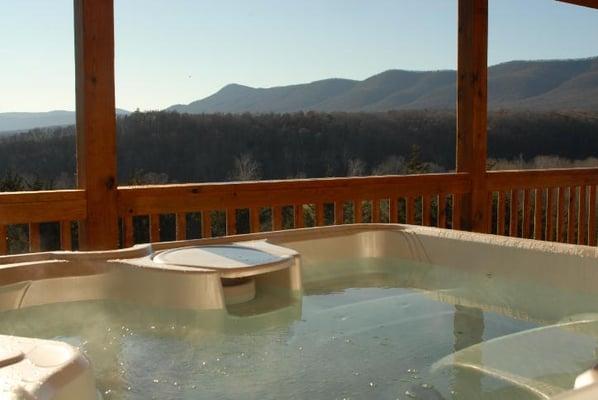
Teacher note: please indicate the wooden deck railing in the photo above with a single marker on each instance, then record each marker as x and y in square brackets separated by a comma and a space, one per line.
[555, 205]
[325, 201]
[61, 207]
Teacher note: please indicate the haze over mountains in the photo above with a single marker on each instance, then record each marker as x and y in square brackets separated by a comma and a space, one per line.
[563, 85]
[21, 121]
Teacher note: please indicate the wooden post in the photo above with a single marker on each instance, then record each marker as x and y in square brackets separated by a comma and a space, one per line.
[3, 240]
[472, 105]
[96, 122]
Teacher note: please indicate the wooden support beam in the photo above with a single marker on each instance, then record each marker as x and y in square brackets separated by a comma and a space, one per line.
[129, 234]
[538, 204]
[96, 122]
[442, 210]
[393, 210]
[426, 210]
[550, 215]
[500, 213]
[277, 218]
[254, 220]
[298, 216]
[592, 217]
[3, 239]
[582, 221]
[206, 224]
[358, 210]
[584, 3]
[181, 226]
[375, 211]
[320, 214]
[339, 212]
[65, 236]
[527, 214]
[231, 221]
[514, 213]
[34, 238]
[560, 216]
[472, 110]
[456, 212]
[571, 239]
[154, 228]
[409, 211]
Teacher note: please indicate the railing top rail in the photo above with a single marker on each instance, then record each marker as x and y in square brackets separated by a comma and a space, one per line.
[42, 206]
[139, 200]
[541, 178]
[41, 195]
[327, 181]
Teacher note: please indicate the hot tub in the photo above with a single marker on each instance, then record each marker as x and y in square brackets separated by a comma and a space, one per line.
[356, 311]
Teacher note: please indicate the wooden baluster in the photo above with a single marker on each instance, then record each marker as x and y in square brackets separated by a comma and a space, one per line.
[527, 213]
[34, 238]
[254, 220]
[560, 215]
[426, 210]
[592, 217]
[206, 224]
[409, 210]
[154, 228]
[319, 214]
[500, 213]
[277, 218]
[376, 211]
[339, 213]
[65, 236]
[581, 216]
[550, 214]
[3, 239]
[514, 213]
[489, 211]
[358, 211]
[456, 212]
[181, 226]
[538, 214]
[393, 210]
[571, 215]
[129, 234]
[299, 217]
[442, 210]
[231, 221]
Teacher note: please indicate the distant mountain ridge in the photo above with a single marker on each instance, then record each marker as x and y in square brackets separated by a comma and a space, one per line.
[22, 121]
[546, 85]
[534, 85]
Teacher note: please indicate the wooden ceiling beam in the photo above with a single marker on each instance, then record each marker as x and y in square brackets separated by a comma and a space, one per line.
[584, 3]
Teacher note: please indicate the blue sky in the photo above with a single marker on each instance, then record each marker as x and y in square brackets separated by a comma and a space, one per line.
[177, 51]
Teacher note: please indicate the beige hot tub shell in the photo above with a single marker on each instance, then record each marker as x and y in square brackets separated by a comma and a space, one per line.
[132, 275]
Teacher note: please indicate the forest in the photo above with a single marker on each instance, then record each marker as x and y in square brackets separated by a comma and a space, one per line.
[168, 147]
[165, 147]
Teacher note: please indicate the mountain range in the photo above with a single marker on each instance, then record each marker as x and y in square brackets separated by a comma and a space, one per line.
[517, 85]
[532, 85]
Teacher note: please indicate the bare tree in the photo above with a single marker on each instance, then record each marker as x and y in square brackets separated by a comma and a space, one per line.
[245, 168]
[356, 167]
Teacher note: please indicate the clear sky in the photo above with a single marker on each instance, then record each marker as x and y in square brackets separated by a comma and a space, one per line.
[177, 51]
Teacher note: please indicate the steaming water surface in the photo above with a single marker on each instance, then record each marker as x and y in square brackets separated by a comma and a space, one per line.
[364, 329]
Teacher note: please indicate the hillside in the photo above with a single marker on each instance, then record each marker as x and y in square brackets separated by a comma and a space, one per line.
[159, 147]
[556, 85]
[516, 85]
